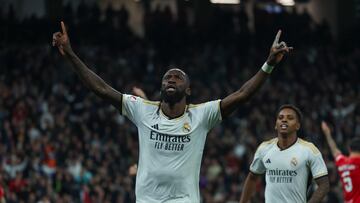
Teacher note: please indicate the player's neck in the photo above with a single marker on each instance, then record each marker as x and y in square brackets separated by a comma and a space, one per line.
[286, 141]
[354, 154]
[173, 110]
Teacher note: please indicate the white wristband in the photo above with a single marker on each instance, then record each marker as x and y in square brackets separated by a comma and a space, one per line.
[267, 68]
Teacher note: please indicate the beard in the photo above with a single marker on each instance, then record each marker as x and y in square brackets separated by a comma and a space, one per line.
[172, 98]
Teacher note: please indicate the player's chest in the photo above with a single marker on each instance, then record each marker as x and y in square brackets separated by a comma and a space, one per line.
[164, 136]
[290, 160]
[182, 125]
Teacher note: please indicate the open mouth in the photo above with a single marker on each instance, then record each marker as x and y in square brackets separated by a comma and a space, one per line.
[170, 88]
[284, 126]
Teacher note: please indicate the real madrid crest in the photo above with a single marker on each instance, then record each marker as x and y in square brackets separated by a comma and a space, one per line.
[293, 162]
[186, 127]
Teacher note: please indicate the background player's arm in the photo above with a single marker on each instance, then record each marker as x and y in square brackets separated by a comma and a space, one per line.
[88, 77]
[327, 132]
[321, 191]
[231, 102]
[249, 187]
[139, 92]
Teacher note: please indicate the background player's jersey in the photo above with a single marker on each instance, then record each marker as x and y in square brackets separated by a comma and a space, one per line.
[170, 149]
[2, 192]
[287, 170]
[349, 171]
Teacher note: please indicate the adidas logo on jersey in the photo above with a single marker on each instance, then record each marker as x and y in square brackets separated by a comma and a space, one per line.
[156, 126]
[268, 161]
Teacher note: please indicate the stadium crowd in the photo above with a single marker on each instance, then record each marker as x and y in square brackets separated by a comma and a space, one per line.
[60, 143]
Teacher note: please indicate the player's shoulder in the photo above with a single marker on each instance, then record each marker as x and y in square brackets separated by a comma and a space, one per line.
[341, 158]
[309, 146]
[267, 144]
[151, 103]
[349, 159]
[193, 106]
[133, 98]
[204, 104]
[136, 102]
[149, 106]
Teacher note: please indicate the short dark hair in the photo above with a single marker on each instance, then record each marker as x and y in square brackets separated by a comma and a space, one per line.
[355, 144]
[293, 107]
[187, 78]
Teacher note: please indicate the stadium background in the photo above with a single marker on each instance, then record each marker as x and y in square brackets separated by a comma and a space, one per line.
[60, 143]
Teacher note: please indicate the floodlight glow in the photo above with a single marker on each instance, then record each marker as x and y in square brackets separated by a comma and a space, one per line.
[225, 1]
[286, 2]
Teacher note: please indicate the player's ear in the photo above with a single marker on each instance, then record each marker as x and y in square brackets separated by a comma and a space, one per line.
[298, 126]
[188, 91]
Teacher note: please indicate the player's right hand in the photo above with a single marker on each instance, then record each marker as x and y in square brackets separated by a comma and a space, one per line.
[61, 40]
[325, 128]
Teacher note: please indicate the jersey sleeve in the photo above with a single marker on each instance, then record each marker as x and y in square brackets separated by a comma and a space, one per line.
[316, 163]
[340, 159]
[131, 107]
[212, 113]
[257, 166]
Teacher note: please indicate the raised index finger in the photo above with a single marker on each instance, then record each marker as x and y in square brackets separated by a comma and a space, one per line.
[277, 37]
[63, 28]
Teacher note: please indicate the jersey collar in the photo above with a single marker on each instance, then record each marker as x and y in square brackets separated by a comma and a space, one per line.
[297, 139]
[174, 119]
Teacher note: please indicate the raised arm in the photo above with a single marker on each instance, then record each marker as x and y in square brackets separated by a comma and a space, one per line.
[88, 77]
[321, 191]
[333, 148]
[277, 51]
[249, 187]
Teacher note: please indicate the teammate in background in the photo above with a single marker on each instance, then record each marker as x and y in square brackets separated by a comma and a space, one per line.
[139, 92]
[2, 191]
[348, 166]
[171, 132]
[287, 162]
[2, 195]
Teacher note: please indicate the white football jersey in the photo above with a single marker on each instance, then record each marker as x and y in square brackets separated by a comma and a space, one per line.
[287, 171]
[170, 149]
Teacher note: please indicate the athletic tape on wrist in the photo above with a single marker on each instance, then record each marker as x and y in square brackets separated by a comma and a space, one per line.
[267, 68]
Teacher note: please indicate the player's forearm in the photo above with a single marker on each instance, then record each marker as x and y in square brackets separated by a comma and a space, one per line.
[249, 188]
[232, 102]
[333, 147]
[88, 77]
[321, 191]
[252, 86]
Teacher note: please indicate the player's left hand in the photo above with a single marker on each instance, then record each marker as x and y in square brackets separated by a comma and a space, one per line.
[61, 40]
[277, 51]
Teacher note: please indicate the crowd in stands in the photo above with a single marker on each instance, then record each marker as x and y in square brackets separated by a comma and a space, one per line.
[61, 143]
